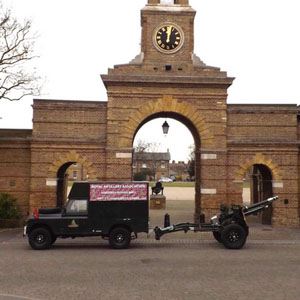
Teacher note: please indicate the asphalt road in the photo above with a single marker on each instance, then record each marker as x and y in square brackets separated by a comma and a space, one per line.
[174, 268]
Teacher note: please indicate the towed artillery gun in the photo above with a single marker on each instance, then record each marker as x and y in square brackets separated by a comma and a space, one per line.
[229, 227]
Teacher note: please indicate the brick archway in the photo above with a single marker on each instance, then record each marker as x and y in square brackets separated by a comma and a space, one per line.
[166, 104]
[187, 114]
[71, 156]
[261, 159]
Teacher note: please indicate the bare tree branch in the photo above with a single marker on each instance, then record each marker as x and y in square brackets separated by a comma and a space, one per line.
[16, 50]
[144, 146]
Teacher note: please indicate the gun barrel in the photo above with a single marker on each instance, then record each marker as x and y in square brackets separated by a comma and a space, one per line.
[258, 206]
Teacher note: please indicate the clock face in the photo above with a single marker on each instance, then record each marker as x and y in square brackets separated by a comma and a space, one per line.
[168, 38]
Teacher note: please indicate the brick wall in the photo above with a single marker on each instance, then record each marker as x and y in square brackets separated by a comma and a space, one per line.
[15, 162]
[64, 132]
[266, 134]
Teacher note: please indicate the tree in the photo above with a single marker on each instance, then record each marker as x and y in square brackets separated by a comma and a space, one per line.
[191, 162]
[8, 209]
[143, 146]
[16, 50]
[139, 176]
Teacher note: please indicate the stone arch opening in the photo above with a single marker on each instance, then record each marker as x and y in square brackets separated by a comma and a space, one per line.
[62, 184]
[197, 142]
[258, 180]
[176, 116]
[66, 175]
[59, 168]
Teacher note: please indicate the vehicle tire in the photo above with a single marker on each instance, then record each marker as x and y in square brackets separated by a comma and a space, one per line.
[217, 236]
[40, 238]
[120, 238]
[233, 236]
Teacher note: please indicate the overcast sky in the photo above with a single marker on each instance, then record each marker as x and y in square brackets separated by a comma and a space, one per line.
[256, 41]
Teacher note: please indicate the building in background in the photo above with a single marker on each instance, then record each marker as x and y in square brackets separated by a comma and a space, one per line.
[77, 172]
[155, 165]
[179, 171]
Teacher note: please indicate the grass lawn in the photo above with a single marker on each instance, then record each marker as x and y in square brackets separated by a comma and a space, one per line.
[175, 184]
[246, 185]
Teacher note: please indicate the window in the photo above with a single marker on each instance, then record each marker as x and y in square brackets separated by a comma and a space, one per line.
[77, 207]
[168, 67]
[163, 165]
[134, 164]
[144, 165]
[75, 174]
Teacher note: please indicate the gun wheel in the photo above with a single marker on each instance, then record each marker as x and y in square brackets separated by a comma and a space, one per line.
[233, 236]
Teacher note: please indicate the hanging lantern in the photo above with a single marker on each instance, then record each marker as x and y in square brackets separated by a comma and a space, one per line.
[165, 127]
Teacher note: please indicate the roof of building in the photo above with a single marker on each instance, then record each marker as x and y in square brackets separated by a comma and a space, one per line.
[151, 156]
[15, 134]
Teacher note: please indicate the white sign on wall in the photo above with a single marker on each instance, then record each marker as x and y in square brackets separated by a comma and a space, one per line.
[123, 155]
[208, 191]
[208, 156]
[51, 181]
[167, 2]
[278, 184]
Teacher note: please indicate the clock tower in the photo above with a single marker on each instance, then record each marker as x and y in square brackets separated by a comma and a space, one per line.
[168, 34]
[167, 42]
[168, 80]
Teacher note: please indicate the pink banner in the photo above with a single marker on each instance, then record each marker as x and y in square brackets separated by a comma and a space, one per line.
[119, 192]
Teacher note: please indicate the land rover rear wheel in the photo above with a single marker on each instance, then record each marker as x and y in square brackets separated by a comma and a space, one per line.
[120, 238]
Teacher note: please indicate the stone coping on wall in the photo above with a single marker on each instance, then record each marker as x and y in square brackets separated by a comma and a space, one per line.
[222, 79]
[262, 108]
[262, 142]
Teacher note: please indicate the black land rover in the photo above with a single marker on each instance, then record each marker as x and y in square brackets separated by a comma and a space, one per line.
[116, 211]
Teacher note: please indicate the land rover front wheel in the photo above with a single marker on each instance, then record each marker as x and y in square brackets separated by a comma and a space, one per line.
[233, 236]
[40, 238]
[119, 238]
